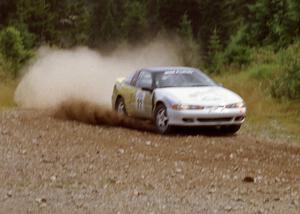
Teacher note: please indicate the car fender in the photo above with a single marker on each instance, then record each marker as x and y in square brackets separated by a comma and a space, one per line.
[159, 97]
[117, 90]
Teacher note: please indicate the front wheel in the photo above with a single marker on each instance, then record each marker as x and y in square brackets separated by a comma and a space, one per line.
[120, 107]
[161, 119]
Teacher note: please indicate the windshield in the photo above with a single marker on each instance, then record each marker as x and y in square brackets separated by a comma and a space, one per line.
[182, 78]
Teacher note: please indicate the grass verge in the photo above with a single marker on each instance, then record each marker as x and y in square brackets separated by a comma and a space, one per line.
[7, 90]
[266, 115]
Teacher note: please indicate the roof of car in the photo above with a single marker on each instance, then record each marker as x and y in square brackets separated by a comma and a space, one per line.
[171, 68]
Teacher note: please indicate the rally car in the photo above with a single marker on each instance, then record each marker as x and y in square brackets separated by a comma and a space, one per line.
[178, 96]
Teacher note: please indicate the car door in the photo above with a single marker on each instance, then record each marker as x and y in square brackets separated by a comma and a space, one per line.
[143, 96]
[131, 91]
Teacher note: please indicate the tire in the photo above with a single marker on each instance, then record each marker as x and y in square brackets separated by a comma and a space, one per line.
[161, 120]
[230, 130]
[120, 107]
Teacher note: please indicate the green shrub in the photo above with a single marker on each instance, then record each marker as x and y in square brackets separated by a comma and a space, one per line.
[29, 40]
[264, 64]
[2, 73]
[217, 61]
[7, 91]
[287, 83]
[12, 49]
[216, 56]
[265, 55]
[262, 71]
[6, 70]
[236, 52]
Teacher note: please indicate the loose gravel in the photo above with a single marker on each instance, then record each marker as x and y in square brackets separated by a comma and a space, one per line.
[53, 166]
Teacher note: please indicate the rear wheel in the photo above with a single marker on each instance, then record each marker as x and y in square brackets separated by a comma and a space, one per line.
[230, 130]
[120, 107]
[161, 119]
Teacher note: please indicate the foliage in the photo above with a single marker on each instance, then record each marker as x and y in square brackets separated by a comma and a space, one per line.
[7, 89]
[135, 22]
[63, 23]
[214, 43]
[272, 22]
[3, 68]
[262, 71]
[12, 48]
[189, 48]
[38, 18]
[67, 23]
[236, 52]
[264, 112]
[278, 72]
[185, 27]
[256, 35]
[215, 54]
[105, 22]
[109, 29]
[74, 25]
[28, 38]
[287, 83]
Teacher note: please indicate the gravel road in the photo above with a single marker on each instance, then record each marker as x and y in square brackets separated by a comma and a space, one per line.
[53, 166]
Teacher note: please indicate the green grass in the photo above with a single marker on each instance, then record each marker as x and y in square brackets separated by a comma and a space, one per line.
[7, 90]
[265, 114]
[7, 85]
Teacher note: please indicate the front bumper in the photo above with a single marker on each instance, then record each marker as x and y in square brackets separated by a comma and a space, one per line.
[207, 117]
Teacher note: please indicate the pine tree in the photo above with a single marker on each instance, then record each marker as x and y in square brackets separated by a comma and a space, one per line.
[135, 22]
[214, 43]
[185, 27]
[74, 25]
[216, 57]
[267, 23]
[109, 30]
[189, 47]
[106, 19]
[293, 23]
[39, 19]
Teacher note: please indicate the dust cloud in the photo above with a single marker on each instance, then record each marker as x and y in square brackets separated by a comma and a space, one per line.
[77, 84]
[95, 114]
[57, 76]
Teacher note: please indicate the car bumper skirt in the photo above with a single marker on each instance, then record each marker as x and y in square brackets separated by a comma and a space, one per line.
[217, 117]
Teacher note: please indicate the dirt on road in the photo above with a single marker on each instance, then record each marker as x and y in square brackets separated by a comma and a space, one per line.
[53, 166]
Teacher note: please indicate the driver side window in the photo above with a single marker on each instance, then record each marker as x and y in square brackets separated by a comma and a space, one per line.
[145, 80]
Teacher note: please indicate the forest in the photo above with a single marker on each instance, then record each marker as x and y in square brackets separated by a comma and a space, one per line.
[260, 37]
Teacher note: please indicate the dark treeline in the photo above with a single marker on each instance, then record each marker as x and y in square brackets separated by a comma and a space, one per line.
[94, 22]
[223, 32]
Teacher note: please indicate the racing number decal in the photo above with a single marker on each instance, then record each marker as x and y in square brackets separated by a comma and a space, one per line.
[139, 99]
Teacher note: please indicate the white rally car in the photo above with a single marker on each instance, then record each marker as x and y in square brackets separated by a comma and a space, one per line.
[178, 96]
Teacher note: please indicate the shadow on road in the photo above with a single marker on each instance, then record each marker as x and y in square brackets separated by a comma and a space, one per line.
[94, 114]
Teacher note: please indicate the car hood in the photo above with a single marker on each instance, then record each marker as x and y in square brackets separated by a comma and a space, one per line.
[208, 96]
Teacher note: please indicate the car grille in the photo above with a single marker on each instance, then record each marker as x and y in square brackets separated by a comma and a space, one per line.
[226, 119]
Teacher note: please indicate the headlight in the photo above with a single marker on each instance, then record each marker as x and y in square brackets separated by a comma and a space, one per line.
[236, 105]
[180, 107]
